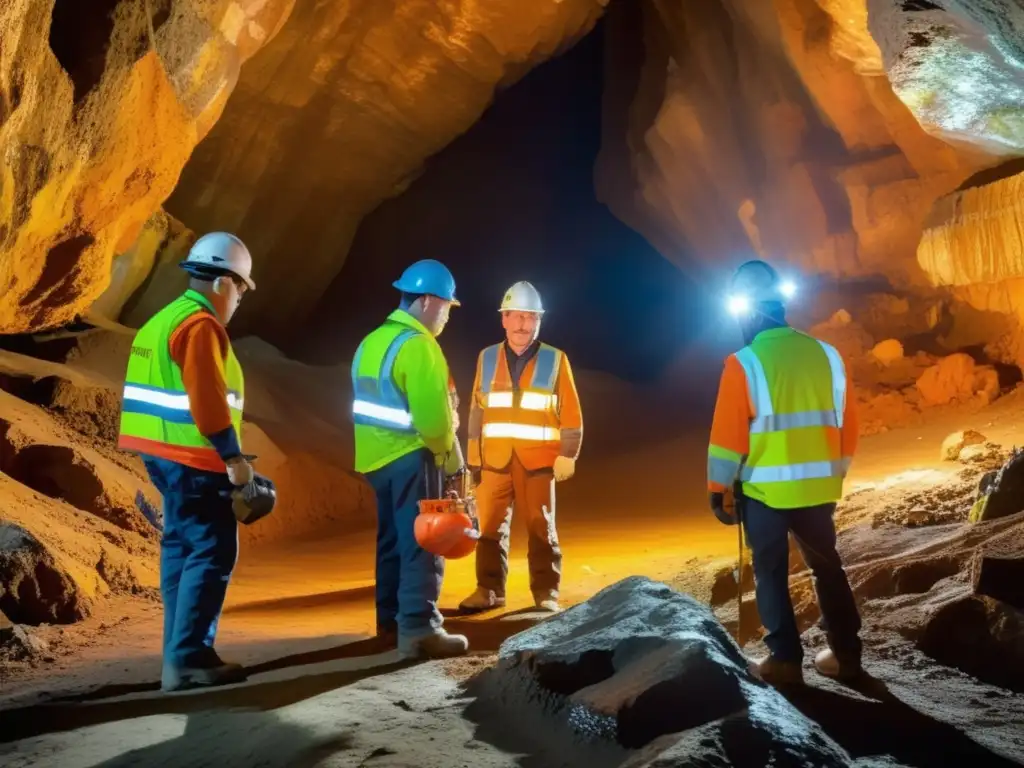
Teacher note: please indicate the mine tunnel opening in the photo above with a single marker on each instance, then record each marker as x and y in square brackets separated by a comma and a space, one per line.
[80, 35]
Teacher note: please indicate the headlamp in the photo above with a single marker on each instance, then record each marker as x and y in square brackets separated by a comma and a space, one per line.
[738, 305]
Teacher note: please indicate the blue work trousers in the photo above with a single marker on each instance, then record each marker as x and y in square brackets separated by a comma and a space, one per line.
[408, 577]
[768, 532]
[198, 551]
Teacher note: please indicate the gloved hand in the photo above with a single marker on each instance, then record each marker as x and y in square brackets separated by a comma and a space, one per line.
[453, 463]
[564, 468]
[240, 471]
[725, 512]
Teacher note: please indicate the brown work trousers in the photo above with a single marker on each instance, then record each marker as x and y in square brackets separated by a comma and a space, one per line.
[531, 492]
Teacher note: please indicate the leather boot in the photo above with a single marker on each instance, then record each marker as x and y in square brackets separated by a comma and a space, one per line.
[433, 645]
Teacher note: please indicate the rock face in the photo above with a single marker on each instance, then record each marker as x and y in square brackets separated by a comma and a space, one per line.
[101, 104]
[956, 378]
[771, 128]
[626, 667]
[956, 64]
[33, 588]
[339, 112]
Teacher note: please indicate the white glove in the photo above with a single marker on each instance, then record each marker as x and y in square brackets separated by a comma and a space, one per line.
[564, 468]
[240, 472]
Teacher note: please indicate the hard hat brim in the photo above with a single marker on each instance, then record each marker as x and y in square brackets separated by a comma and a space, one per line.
[522, 309]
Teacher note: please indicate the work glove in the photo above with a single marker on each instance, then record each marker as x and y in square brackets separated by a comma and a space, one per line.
[724, 507]
[564, 468]
[240, 471]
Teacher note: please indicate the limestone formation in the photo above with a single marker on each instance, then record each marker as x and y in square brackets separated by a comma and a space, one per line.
[957, 65]
[34, 588]
[338, 113]
[101, 104]
[888, 351]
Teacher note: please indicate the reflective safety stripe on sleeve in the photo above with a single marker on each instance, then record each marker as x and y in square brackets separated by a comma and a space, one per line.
[723, 465]
[521, 431]
[812, 470]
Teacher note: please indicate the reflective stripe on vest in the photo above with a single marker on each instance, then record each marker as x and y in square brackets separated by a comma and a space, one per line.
[166, 404]
[538, 395]
[156, 418]
[766, 420]
[378, 401]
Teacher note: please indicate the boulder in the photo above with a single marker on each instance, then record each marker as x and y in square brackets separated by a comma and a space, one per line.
[888, 351]
[647, 669]
[998, 568]
[951, 379]
[985, 453]
[957, 441]
[1000, 493]
[34, 589]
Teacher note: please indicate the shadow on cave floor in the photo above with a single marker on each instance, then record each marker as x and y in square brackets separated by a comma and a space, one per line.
[357, 660]
[882, 724]
[43, 719]
[236, 738]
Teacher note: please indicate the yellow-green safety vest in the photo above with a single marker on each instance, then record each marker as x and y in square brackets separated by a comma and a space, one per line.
[798, 389]
[155, 416]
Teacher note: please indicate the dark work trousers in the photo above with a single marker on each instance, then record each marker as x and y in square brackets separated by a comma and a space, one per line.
[767, 532]
[408, 577]
[198, 551]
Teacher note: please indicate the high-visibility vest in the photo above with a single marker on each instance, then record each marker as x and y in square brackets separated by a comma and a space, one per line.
[384, 428]
[155, 416]
[522, 420]
[378, 402]
[797, 387]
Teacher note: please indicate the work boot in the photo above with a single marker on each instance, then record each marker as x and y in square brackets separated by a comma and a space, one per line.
[775, 672]
[482, 600]
[207, 672]
[433, 645]
[840, 668]
[546, 601]
[387, 635]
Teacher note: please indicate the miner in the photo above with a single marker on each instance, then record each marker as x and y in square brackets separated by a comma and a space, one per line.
[782, 440]
[406, 446]
[182, 411]
[525, 431]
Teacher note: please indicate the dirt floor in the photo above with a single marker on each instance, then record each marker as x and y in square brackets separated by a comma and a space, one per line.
[300, 608]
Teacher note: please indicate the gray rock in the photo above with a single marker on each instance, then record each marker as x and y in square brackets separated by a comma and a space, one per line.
[650, 671]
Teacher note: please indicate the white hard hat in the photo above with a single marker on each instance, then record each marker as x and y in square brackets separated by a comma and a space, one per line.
[522, 297]
[756, 282]
[221, 251]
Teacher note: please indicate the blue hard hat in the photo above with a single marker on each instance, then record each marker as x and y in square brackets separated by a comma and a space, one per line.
[430, 277]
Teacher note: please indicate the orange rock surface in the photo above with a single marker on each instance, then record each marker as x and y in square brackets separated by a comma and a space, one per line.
[101, 104]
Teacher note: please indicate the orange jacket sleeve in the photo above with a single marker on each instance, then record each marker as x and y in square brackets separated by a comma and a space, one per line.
[199, 347]
[570, 415]
[730, 428]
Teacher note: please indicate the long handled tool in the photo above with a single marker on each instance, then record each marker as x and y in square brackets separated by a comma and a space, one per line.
[738, 509]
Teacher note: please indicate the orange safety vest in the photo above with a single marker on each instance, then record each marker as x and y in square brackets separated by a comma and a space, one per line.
[525, 421]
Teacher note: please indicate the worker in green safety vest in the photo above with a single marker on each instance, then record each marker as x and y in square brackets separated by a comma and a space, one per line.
[784, 433]
[182, 412]
[405, 439]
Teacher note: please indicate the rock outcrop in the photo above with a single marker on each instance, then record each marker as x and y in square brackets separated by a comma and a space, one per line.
[101, 105]
[624, 670]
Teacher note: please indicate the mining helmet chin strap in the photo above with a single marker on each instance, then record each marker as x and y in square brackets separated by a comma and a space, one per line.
[756, 282]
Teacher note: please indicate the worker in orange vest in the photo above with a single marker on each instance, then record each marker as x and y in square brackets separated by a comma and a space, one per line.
[525, 432]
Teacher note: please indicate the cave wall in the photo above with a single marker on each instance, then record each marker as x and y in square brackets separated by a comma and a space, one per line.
[776, 133]
[338, 113]
[101, 104]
